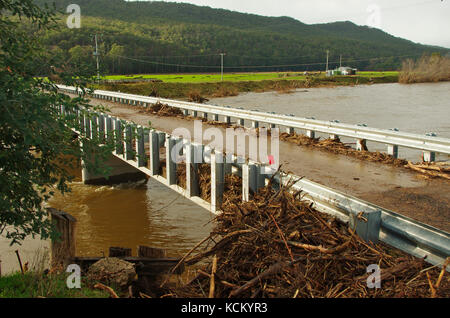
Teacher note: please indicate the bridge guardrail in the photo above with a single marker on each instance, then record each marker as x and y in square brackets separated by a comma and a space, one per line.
[428, 144]
[371, 222]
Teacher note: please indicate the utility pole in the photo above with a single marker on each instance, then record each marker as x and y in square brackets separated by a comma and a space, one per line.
[221, 69]
[97, 55]
[328, 54]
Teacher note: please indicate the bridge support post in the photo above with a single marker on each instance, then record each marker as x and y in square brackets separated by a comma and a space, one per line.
[93, 125]
[249, 180]
[429, 156]
[192, 186]
[216, 117]
[194, 113]
[171, 165]
[140, 147]
[255, 124]
[311, 134]
[118, 136]
[185, 112]
[241, 122]
[393, 151]
[217, 181]
[205, 116]
[87, 125]
[361, 145]
[227, 120]
[101, 126]
[120, 172]
[290, 130]
[154, 153]
[334, 137]
[367, 225]
[109, 135]
[273, 126]
[128, 138]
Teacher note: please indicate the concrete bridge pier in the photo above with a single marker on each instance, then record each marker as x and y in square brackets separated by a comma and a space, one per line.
[255, 124]
[216, 117]
[228, 120]
[290, 130]
[241, 122]
[120, 172]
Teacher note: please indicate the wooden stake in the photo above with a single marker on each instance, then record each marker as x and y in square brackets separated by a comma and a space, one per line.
[212, 281]
[20, 261]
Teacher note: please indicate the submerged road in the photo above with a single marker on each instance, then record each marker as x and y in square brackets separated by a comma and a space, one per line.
[393, 188]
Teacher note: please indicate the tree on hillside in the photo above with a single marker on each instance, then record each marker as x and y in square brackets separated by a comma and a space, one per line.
[36, 147]
[114, 56]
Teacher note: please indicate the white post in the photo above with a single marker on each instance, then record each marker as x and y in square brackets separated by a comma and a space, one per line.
[171, 165]
[217, 181]
[192, 187]
[154, 153]
[311, 133]
[393, 151]
[140, 147]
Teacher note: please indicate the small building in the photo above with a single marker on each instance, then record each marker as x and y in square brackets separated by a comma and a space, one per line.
[343, 70]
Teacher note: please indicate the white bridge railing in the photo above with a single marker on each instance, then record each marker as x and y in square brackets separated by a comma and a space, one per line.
[430, 145]
[140, 147]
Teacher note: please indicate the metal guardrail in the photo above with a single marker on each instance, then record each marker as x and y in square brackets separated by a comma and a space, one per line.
[371, 222]
[430, 144]
[404, 233]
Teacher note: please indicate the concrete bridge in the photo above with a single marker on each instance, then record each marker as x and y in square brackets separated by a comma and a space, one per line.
[138, 150]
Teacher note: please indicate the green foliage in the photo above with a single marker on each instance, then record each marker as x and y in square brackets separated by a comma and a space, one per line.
[33, 285]
[37, 148]
[160, 37]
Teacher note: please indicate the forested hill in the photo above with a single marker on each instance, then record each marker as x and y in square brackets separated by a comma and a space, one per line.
[143, 37]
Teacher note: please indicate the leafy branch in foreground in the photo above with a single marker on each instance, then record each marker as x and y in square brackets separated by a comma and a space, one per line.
[37, 146]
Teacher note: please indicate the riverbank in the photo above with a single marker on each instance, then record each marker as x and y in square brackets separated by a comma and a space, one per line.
[197, 89]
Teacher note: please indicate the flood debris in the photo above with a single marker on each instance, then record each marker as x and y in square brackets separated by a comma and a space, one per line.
[435, 169]
[277, 245]
[338, 147]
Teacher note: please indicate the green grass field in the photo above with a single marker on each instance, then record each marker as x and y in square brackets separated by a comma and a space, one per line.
[233, 77]
[32, 285]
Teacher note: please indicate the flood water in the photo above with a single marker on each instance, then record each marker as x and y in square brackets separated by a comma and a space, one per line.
[128, 215]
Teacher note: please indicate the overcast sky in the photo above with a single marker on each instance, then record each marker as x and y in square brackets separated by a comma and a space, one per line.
[423, 21]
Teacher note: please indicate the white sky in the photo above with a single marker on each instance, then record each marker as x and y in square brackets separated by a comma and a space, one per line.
[422, 21]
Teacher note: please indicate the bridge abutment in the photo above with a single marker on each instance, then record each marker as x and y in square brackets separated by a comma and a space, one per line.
[120, 172]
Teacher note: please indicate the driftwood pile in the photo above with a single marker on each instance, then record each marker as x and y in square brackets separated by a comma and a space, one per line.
[437, 169]
[160, 109]
[276, 245]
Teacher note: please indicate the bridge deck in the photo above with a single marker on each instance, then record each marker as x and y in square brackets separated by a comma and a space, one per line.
[390, 187]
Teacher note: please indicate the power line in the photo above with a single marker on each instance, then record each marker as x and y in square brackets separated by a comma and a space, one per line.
[265, 66]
